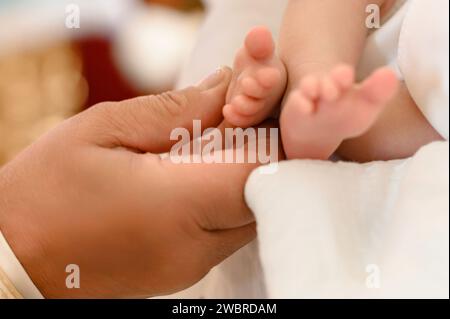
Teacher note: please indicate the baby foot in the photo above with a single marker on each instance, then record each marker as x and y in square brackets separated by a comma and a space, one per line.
[258, 82]
[325, 110]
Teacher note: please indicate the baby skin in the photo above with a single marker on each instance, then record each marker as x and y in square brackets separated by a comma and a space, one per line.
[319, 113]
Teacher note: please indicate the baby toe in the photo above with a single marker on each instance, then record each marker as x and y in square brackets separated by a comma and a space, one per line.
[310, 86]
[380, 86]
[246, 106]
[268, 77]
[303, 104]
[329, 89]
[259, 43]
[234, 118]
[344, 76]
[252, 88]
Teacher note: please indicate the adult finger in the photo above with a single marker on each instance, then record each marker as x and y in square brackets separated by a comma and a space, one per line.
[146, 123]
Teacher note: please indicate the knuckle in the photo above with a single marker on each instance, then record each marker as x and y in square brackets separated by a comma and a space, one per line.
[172, 103]
[107, 123]
[102, 112]
[107, 112]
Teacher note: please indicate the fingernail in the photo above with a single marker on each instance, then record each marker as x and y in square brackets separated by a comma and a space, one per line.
[212, 80]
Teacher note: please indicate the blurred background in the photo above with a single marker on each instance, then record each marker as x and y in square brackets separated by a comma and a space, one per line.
[49, 71]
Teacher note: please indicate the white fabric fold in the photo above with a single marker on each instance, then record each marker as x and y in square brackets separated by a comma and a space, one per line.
[423, 59]
[344, 230]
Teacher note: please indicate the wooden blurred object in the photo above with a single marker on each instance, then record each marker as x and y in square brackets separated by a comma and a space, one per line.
[178, 4]
[38, 90]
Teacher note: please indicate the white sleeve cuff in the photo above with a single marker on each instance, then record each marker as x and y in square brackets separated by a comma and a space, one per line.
[423, 60]
[16, 276]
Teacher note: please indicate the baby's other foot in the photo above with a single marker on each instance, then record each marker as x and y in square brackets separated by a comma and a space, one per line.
[325, 110]
[258, 83]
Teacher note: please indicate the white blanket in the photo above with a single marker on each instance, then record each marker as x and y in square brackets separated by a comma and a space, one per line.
[340, 229]
[346, 230]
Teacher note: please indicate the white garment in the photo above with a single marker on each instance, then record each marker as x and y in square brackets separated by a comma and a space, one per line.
[424, 59]
[345, 230]
[414, 42]
[16, 276]
[223, 33]
[382, 44]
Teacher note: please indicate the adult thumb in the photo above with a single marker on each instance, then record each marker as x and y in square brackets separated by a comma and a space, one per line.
[145, 123]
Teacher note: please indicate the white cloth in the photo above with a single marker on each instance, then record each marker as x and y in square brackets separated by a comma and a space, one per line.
[412, 195]
[223, 33]
[414, 42]
[423, 59]
[15, 273]
[345, 230]
[382, 44]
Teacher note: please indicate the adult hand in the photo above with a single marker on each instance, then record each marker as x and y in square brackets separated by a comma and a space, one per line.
[93, 193]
